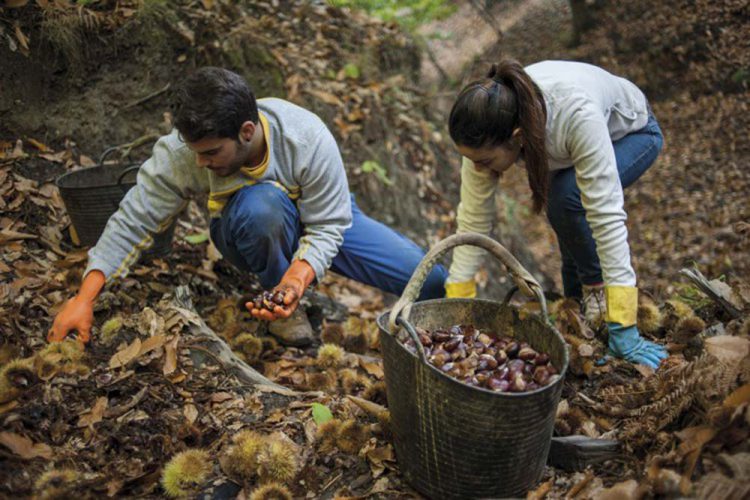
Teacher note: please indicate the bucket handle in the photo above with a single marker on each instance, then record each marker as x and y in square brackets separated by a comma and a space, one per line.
[125, 172]
[525, 282]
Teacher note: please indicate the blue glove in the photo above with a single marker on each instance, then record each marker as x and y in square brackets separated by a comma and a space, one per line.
[625, 342]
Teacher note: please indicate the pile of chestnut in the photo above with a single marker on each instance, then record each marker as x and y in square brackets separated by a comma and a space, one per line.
[480, 359]
[269, 300]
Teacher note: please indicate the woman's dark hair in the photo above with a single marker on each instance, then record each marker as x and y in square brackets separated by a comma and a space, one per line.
[213, 102]
[487, 111]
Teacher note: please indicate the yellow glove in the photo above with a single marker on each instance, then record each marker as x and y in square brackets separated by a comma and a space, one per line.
[622, 304]
[464, 290]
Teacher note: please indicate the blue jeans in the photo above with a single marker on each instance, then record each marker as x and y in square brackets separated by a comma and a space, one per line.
[259, 232]
[634, 153]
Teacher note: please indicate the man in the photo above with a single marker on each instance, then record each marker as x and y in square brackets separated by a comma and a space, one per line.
[278, 197]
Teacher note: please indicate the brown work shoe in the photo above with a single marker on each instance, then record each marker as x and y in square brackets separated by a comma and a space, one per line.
[293, 331]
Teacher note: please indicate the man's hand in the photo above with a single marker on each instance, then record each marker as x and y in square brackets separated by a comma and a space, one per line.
[78, 312]
[294, 282]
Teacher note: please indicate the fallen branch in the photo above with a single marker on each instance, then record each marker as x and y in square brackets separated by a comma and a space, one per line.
[221, 352]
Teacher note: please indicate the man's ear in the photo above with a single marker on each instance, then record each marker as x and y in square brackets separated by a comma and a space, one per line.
[247, 130]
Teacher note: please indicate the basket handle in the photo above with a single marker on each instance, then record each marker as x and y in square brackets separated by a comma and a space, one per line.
[126, 172]
[525, 282]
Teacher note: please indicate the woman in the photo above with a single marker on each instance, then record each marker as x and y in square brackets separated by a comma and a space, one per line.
[583, 135]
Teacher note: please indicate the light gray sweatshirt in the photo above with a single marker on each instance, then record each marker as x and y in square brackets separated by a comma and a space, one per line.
[302, 159]
[588, 109]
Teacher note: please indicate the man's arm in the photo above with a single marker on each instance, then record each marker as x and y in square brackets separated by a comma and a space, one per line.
[324, 205]
[149, 207]
[325, 212]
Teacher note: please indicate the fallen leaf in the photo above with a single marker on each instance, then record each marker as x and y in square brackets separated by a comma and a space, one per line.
[190, 412]
[152, 343]
[25, 447]
[326, 97]
[95, 414]
[126, 355]
[372, 368]
[170, 360]
[728, 349]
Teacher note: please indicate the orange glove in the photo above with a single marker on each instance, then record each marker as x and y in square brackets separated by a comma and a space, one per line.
[298, 277]
[78, 312]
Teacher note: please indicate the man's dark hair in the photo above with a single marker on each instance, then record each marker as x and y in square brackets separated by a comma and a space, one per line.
[213, 102]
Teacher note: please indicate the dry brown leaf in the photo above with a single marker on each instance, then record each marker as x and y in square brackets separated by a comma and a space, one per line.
[7, 235]
[326, 97]
[126, 355]
[170, 360]
[95, 414]
[25, 447]
[152, 343]
[740, 396]
[190, 412]
[693, 440]
[372, 368]
[626, 490]
[728, 349]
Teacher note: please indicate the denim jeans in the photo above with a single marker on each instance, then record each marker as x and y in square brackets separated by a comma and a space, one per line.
[634, 153]
[259, 232]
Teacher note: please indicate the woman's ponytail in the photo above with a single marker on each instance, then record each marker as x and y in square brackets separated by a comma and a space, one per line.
[487, 112]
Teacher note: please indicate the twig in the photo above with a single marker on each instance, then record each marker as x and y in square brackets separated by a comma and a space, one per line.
[580, 485]
[147, 97]
[127, 148]
[487, 17]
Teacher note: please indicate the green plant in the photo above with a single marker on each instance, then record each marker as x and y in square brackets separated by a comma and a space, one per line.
[373, 167]
[408, 13]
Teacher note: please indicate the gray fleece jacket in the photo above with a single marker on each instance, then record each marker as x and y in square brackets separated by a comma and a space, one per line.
[302, 159]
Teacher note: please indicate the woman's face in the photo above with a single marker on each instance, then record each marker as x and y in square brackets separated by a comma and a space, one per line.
[497, 159]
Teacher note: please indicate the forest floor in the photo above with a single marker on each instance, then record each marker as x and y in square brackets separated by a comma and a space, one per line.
[107, 420]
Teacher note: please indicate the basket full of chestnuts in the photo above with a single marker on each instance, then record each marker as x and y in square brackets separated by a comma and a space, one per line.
[472, 385]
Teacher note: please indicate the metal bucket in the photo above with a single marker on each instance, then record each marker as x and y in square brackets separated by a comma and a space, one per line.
[93, 195]
[457, 441]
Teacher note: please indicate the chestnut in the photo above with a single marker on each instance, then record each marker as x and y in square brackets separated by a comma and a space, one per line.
[541, 375]
[484, 339]
[518, 384]
[440, 336]
[541, 359]
[527, 354]
[512, 349]
[451, 344]
[501, 357]
[498, 385]
[487, 362]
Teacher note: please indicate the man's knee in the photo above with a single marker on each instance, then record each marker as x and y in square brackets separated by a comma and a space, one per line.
[258, 210]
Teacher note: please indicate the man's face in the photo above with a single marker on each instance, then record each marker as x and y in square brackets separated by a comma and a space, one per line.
[224, 157]
[497, 159]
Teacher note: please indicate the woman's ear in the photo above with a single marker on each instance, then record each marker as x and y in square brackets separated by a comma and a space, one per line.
[517, 136]
[247, 130]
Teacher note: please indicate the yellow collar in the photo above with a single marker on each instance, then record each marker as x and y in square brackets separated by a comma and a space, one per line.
[258, 170]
